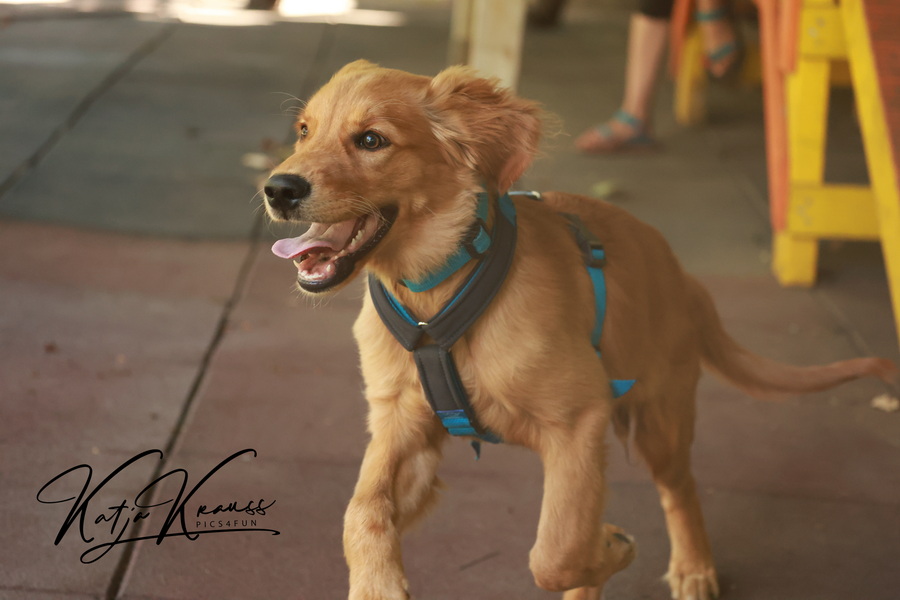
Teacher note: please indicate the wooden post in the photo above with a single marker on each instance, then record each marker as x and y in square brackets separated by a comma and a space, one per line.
[488, 34]
[460, 32]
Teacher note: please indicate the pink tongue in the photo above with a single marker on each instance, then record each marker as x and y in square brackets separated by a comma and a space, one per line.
[333, 236]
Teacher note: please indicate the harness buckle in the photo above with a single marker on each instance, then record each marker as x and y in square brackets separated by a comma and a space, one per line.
[477, 241]
[596, 257]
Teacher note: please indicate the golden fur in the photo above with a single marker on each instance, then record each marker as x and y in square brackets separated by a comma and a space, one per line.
[528, 364]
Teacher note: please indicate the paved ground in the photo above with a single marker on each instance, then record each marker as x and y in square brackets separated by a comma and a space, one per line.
[141, 309]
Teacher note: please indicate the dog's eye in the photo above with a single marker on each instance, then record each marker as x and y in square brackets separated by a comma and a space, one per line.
[371, 140]
[303, 130]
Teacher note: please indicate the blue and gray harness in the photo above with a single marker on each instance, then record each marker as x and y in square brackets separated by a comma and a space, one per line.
[494, 251]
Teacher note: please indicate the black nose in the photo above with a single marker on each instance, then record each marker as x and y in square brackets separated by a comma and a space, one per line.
[284, 192]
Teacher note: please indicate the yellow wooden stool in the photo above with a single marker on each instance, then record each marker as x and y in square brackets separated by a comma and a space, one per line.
[828, 32]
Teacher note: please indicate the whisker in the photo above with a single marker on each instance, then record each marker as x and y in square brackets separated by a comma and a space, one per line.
[291, 98]
[254, 196]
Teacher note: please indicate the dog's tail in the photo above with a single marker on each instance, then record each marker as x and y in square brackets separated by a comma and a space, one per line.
[765, 378]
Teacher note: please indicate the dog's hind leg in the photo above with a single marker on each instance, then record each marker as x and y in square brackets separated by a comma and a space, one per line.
[397, 483]
[663, 435]
[574, 549]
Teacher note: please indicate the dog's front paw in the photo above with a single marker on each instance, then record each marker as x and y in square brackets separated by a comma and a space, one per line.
[618, 552]
[377, 595]
[689, 582]
[385, 591]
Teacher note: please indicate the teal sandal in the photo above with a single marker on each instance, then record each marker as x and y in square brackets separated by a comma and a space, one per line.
[611, 143]
[733, 48]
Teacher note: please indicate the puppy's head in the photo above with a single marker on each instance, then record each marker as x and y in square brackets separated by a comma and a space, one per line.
[386, 166]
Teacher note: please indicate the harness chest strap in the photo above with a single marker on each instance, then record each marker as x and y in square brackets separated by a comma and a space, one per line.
[437, 370]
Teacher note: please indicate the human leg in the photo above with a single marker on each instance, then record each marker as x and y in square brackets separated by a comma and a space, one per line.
[720, 41]
[629, 127]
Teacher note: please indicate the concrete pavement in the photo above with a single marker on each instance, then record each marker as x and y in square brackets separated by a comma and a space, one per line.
[140, 309]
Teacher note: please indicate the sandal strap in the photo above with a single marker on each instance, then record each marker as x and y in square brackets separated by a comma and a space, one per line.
[716, 14]
[605, 132]
[641, 138]
[722, 51]
[625, 117]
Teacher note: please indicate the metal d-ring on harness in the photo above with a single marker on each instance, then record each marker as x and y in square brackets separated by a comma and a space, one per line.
[437, 370]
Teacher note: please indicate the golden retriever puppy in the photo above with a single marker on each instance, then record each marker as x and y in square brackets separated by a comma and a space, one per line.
[387, 170]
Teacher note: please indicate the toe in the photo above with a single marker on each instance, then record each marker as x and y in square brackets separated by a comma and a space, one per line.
[621, 546]
[700, 584]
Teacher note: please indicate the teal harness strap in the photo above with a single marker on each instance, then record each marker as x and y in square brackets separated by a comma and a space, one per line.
[597, 254]
[476, 245]
[599, 281]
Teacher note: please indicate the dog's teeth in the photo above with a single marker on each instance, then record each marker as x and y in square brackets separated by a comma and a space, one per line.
[354, 243]
[330, 268]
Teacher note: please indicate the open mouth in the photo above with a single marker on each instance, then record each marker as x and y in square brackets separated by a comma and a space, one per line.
[327, 253]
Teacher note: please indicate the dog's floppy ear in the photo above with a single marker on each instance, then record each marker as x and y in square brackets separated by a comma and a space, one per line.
[483, 126]
[356, 65]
